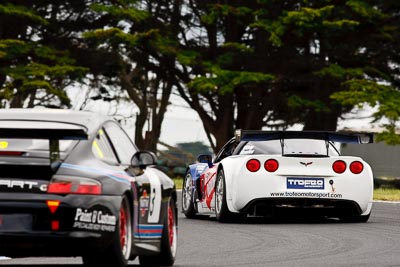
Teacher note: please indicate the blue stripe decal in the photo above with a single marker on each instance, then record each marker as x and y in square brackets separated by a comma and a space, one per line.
[149, 231]
[151, 227]
[110, 173]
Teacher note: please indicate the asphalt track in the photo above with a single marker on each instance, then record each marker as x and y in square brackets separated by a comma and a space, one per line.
[205, 242]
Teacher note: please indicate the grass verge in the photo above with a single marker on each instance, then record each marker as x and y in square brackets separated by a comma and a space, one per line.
[386, 194]
[178, 182]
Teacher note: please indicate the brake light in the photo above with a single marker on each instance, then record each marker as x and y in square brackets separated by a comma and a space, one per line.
[74, 186]
[339, 166]
[271, 165]
[11, 153]
[253, 165]
[356, 167]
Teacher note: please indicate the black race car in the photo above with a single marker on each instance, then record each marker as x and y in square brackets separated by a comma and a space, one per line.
[72, 183]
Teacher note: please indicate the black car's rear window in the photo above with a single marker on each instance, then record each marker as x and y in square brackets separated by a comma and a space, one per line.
[28, 147]
[33, 147]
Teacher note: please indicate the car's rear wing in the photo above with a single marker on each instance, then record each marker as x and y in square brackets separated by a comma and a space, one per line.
[51, 131]
[340, 137]
[43, 133]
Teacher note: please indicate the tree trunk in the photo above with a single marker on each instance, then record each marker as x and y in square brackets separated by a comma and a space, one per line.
[158, 117]
[141, 118]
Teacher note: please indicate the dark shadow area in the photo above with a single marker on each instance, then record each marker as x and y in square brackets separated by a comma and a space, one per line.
[200, 218]
[9, 263]
[272, 220]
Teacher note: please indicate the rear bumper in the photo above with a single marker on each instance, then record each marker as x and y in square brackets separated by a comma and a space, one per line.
[79, 225]
[301, 207]
[50, 244]
[357, 190]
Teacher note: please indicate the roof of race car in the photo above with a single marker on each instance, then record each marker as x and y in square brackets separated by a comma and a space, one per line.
[88, 120]
[341, 137]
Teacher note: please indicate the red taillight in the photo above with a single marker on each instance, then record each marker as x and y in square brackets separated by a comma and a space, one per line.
[59, 188]
[76, 186]
[89, 189]
[253, 165]
[271, 165]
[11, 153]
[339, 166]
[356, 167]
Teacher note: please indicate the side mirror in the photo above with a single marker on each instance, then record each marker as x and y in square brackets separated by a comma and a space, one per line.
[205, 159]
[142, 159]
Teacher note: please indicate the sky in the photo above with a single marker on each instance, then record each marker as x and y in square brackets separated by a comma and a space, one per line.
[182, 124]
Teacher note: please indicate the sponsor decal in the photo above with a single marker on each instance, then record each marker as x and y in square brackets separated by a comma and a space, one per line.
[151, 231]
[144, 203]
[94, 220]
[200, 168]
[155, 197]
[306, 163]
[17, 184]
[305, 183]
[247, 150]
[22, 185]
[306, 194]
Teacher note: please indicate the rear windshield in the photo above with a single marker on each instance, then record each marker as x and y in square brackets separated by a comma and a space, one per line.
[33, 147]
[291, 147]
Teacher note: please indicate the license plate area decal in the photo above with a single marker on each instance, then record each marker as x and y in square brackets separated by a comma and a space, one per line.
[305, 183]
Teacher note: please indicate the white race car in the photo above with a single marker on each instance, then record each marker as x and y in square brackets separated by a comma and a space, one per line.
[273, 173]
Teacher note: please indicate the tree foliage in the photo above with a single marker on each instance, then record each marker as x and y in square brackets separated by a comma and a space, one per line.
[239, 64]
[142, 40]
[31, 71]
[306, 61]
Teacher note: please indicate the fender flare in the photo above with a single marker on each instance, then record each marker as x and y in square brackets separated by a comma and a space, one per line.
[228, 170]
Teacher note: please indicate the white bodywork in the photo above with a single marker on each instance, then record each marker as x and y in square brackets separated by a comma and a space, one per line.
[243, 186]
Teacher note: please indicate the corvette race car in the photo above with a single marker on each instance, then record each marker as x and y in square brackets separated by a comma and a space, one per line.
[72, 183]
[281, 173]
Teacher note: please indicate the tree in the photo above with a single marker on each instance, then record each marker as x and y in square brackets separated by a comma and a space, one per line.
[380, 84]
[31, 72]
[214, 59]
[249, 64]
[141, 40]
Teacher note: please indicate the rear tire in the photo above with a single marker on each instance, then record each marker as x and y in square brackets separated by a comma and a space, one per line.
[187, 197]
[168, 241]
[118, 253]
[222, 212]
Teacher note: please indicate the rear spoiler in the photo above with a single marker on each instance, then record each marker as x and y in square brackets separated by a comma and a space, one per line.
[53, 134]
[340, 137]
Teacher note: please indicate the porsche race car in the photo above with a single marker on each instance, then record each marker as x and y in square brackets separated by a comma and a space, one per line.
[281, 173]
[72, 183]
